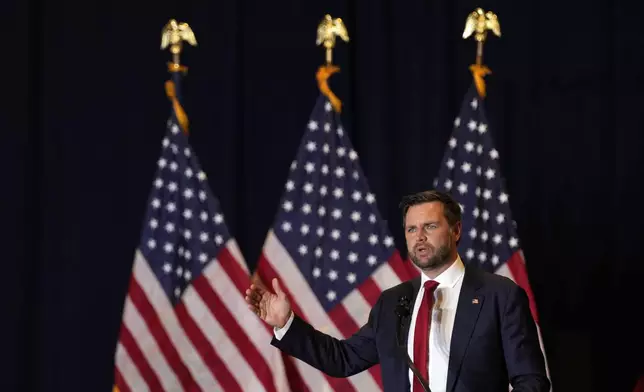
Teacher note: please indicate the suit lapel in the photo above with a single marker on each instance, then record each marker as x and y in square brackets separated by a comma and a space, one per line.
[411, 291]
[467, 313]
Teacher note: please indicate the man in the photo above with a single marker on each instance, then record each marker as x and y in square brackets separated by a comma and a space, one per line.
[469, 330]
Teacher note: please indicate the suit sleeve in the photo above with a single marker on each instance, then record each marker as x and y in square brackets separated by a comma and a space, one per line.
[335, 357]
[523, 355]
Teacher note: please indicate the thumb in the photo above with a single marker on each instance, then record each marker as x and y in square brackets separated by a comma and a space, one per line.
[277, 288]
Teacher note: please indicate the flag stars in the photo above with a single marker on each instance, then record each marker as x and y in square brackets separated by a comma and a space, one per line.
[188, 194]
[503, 198]
[485, 215]
[203, 216]
[204, 237]
[335, 234]
[309, 167]
[389, 241]
[186, 152]
[154, 223]
[482, 128]
[320, 231]
[188, 173]
[327, 127]
[331, 295]
[500, 218]
[286, 226]
[353, 257]
[497, 239]
[202, 196]
[308, 187]
[316, 272]
[167, 268]
[450, 163]
[169, 227]
[489, 173]
[513, 242]
[334, 255]
[303, 250]
[457, 121]
[203, 258]
[162, 163]
[333, 275]
[466, 167]
[479, 149]
[187, 213]
[354, 237]
[471, 125]
[462, 188]
[495, 260]
[321, 211]
[174, 129]
[340, 131]
[469, 146]
[484, 236]
[325, 169]
[351, 277]
[218, 219]
[372, 218]
[448, 184]
[469, 254]
[158, 183]
[473, 233]
[327, 106]
[325, 148]
[356, 196]
[304, 229]
[168, 247]
[187, 234]
[311, 146]
[312, 126]
[337, 214]
[370, 198]
[339, 172]
[494, 154]
[373, 239]
[187, 255]
[452, 143]
[372, 260]
[290, 185]
[166, 142]
[201, 176]
[171, 207]
[338, 193]
[487, 194]
[355, 216]
[156, 204]
[219, 239]
[172, 187]
[187, 275]
[177, 292]
[293, 165]
[174, 166]
[474, 104]
[353, 155]
[306, 209]
[318, 252]
[478, 170]
[152, 244]
[482, 257]
[323, 190]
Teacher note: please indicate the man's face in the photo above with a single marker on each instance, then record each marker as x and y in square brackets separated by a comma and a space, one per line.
[431, 243]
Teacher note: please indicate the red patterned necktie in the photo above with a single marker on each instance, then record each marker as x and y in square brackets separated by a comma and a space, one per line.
[421, 334]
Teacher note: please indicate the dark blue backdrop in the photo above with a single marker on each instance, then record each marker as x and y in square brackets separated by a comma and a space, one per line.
[564, 103]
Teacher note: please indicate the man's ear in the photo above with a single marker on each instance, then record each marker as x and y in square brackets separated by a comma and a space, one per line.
[456, 230]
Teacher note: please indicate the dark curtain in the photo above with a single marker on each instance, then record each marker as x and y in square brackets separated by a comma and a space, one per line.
[565, 107]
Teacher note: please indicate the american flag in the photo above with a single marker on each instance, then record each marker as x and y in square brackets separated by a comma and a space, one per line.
[471, 173]
[185, 324]
[329, 246]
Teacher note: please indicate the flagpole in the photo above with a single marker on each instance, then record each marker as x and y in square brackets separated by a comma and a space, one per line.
[327, 31]
[172, 37]
[479, 22]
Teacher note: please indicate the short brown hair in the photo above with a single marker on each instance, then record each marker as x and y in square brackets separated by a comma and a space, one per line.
[451, 208]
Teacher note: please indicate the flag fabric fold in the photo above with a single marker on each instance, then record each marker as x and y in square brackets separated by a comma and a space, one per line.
[470, 171]
[329, 246]
[185, 324]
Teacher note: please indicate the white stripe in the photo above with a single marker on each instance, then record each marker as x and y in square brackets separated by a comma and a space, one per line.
[129, 371]
[505, 271]
[248, 322]
[233, 248]
[385, 277]
[220, 342]
[291, 277]
[159, 301]
[145, 340]
[357, 307]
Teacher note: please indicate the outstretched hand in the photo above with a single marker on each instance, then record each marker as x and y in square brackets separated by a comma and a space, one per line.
[274, 309]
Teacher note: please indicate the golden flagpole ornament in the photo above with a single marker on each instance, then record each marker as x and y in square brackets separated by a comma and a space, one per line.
[328, 29]
[479, 22]
[173, 35]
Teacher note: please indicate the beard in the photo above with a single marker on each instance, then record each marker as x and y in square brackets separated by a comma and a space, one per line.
[439, 257]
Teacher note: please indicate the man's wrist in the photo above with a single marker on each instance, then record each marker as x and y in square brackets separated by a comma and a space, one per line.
[288, 318]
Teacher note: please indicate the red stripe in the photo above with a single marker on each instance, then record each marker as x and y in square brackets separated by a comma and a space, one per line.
[139, 360]
[119, 381]
[267, 273]
[347, 326]
[370, 291]
[235, 332]
[155, 326]
[235, 272]
[520, 275]
[295, 380]
[404, 269]
[202, 346]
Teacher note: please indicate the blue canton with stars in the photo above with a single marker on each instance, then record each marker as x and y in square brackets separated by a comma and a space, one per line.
[184, 226]
[470, 171]
[328, 219]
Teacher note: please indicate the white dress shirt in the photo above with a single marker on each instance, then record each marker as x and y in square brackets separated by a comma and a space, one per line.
[440, 335]
[442, 323]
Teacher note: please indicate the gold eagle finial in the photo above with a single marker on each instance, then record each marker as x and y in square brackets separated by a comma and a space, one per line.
[479, 22]
[173, 35]
[328, 29]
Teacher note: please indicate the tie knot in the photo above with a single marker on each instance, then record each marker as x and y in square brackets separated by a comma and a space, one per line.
[430, 286]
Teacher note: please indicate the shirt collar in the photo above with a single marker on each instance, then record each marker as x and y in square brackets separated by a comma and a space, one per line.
[449, 277]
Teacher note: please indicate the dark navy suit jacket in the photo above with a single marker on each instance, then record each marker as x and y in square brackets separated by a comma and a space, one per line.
[494, 340]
